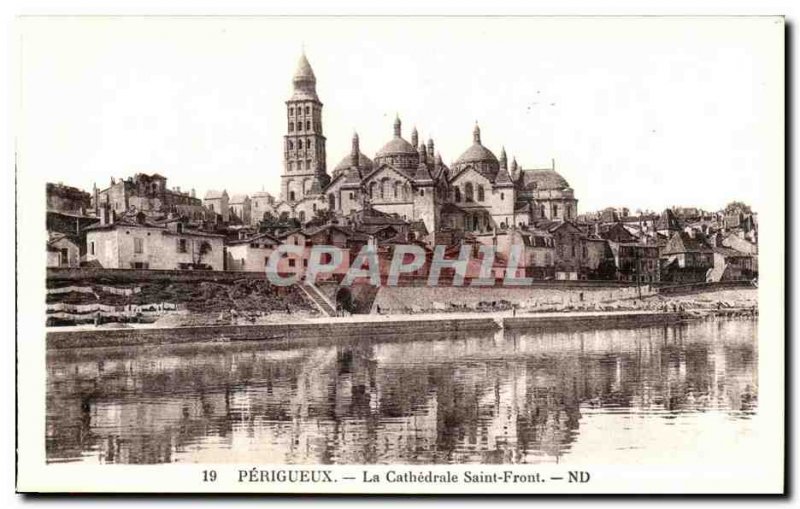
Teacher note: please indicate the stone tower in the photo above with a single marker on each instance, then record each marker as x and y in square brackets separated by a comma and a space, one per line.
[304, 171]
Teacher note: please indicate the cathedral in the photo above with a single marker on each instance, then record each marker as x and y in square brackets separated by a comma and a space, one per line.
[478, 192]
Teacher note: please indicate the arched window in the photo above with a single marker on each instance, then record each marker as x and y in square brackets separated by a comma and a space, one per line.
[299, 144]
[291, 145]
[481, 196]
[299, 165]
[291, 195]
[502, 196]
[332, 201]
[308, 110]
[555, 211]
[541, 210]
[372, 186]
[302, 216]
[291, 126]
[308, 164]
[457, 193]
[422, 192]
[308, 125]
[310, 143]
[406, 192]
[314, 207]
[396, 190]
[468, 193]
[291, 111]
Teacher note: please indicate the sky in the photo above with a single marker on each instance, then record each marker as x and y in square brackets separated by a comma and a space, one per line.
[637, 112]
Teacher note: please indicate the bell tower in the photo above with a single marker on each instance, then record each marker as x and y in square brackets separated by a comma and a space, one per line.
[304, 172]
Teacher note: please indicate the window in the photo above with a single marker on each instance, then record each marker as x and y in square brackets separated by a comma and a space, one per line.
[422, 192]
[457, 193]
[502, 196]
[291, 195]
[181, 245]
[138, 245]
[308, 125]
[308, 110]
[292, 262]
[64, 256]
[291, 145]
[299, 144]
[468, 192]
[481, 196]
[352, 195]
[91, 247]
[291, 127]
[139, 265]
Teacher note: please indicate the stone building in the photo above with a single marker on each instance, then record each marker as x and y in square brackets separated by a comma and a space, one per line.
[261, 204]
[218, 203]
[241, 208]
[408, 178]
[135, 242]
[143, 193]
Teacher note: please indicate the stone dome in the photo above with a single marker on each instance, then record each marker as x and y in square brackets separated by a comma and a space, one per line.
[543, 179]
[477, 154]
[398, 152]
[364, 164]
[479, 157]
[396, 146]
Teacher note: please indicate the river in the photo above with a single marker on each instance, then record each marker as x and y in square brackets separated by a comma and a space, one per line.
[660, 394]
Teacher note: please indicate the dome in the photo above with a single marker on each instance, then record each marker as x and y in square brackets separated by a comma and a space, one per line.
[479, 157]
[477, 154]
[398, 152]
[364, 163]
[397, 146]
[545, 179]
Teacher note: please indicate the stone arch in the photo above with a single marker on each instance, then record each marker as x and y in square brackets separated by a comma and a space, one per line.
[344, 299]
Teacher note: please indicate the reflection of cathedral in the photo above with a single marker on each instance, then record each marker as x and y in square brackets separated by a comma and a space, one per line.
[480, 192]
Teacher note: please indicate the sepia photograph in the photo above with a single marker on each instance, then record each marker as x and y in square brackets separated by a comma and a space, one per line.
[400, 254]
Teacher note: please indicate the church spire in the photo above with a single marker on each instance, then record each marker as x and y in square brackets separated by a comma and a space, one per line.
[476, 134]
[397, 126]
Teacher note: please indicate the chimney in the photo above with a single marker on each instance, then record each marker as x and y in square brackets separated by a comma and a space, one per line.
[355, 152]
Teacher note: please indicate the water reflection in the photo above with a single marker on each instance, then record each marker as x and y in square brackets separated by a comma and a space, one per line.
[503, 398]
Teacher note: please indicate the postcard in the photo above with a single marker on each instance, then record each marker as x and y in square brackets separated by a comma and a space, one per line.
[400, 255]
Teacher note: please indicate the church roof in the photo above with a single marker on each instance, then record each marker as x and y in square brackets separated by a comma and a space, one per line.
[543, 179]
[477, 153]
[364, 163]
[397, 146]
[305, 83]
[304, 70]
[503, 179]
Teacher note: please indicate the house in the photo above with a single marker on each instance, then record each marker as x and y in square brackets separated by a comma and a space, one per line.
[636, 261]
[732, 265]
[62, 251]
[250, 254]
[136, 242]
[686, 259]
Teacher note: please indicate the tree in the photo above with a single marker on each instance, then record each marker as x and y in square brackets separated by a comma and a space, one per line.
[735, 207]
[201, 250]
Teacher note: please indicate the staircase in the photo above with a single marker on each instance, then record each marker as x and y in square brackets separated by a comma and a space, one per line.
[319, 299]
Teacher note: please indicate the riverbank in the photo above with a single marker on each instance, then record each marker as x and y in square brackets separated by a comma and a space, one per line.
[334, 328]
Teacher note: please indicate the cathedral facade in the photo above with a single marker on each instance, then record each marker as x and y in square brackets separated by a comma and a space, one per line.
[479, 192]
